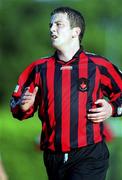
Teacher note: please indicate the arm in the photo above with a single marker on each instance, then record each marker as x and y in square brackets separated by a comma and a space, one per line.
[24, 100]
[111, 83]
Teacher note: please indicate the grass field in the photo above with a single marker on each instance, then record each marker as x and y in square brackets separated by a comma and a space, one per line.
[23, 161]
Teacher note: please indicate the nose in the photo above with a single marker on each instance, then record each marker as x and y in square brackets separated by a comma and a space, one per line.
[52, 28]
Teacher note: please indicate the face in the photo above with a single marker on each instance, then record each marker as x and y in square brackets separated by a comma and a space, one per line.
[60, 30]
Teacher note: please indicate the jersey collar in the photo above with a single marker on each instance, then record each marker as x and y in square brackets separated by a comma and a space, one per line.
[74, 58]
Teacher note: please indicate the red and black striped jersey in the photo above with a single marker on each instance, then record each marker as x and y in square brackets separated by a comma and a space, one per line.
[67, 90]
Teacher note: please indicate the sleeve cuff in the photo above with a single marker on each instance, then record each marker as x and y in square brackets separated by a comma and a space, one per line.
[116, 111]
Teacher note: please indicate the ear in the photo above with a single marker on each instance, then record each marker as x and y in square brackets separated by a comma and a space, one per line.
[76, 32]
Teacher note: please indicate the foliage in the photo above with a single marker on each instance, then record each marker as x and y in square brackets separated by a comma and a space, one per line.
[24, 34]
[23, 161]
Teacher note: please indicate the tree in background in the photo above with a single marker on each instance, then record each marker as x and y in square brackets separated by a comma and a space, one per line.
[23, 36]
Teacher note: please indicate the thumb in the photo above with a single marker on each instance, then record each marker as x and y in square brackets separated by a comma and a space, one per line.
[100, 102]
[35, 90]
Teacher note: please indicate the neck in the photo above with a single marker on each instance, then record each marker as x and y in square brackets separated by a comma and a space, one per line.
[67, 53]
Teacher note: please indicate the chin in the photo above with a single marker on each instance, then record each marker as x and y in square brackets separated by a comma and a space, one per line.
[56, 46]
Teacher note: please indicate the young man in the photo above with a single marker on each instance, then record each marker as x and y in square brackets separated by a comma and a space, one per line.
[68, 90]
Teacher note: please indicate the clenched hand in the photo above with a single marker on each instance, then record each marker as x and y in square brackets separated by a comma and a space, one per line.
[27, 99]
[101, 113]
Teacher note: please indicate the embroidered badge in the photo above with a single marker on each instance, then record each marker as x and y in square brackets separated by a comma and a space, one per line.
[83, 84]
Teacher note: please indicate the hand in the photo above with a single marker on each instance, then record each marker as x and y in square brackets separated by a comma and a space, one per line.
[27, 99]
[101, 113]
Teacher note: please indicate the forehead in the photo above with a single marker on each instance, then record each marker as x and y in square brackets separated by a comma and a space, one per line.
[62, 17]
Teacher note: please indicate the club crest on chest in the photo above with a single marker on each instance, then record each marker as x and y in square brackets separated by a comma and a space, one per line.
[83, 84]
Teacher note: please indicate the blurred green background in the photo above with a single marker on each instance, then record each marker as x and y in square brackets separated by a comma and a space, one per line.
[24, 37]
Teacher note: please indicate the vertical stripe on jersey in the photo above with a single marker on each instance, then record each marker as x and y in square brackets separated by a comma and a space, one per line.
[43, 72]
[74, 108]
[83, 73]
[100, 96]
[96, 126]
[90, 101]
[50, 88]
[58, 106]
[29, 82]
[65, 134]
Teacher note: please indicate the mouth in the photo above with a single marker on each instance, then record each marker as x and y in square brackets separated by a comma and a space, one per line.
[53, 37]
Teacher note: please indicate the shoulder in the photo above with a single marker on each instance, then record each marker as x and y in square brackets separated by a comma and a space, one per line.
[43, 60]
[103, 63]
[98, 59]
[40, 62]
[35, 65]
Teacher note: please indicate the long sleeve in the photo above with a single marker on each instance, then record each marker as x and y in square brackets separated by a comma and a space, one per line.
[28, 78]
[111, 82]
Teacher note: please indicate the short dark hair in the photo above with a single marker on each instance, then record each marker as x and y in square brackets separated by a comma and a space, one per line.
[76, 19]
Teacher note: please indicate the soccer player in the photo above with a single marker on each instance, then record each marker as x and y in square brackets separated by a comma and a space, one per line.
[68, 90]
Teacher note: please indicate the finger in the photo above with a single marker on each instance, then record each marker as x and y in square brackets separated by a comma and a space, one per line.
[96, 109]
[98, 121]
[26, 89]
[27, 93]
[100, 102]
[99, 117]
[25, 101]
[96, 115]
[27, 97]
[35, 90]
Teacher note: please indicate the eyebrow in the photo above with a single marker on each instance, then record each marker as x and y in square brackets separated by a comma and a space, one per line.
[59, 21]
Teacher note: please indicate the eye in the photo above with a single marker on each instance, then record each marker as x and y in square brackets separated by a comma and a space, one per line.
[60, 24]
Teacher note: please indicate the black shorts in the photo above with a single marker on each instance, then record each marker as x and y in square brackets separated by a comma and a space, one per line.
[87, 163]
